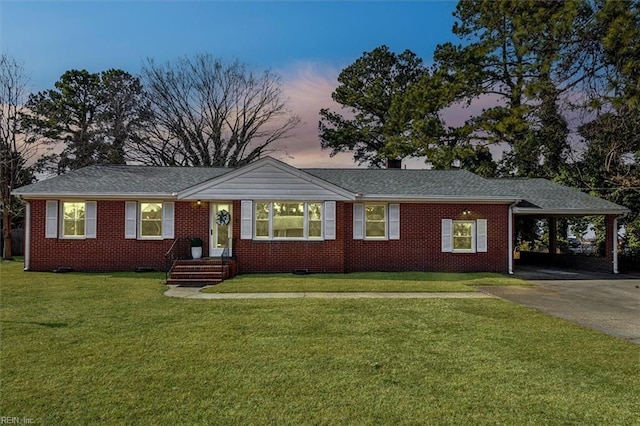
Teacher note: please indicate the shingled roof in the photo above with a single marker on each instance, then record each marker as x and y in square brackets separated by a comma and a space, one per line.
[123, 180]
[412, 183]
[541, 195]
[534, 196]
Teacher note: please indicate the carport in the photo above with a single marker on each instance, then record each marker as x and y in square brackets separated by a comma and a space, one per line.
[542, 199]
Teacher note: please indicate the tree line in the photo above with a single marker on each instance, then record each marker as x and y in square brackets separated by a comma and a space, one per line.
[195, 111]
[562, 78]
[561, 81]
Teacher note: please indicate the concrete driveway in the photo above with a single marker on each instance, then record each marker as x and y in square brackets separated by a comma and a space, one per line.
[603, 302]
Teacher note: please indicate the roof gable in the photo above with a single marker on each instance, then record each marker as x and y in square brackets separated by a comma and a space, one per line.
[267, 179]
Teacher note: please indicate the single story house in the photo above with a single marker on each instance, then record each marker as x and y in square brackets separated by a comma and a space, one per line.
[272, 217]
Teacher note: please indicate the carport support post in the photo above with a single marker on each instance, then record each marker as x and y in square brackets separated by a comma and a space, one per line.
[553, 236]
[612, 232]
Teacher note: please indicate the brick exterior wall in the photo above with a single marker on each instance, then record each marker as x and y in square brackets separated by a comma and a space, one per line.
[110, 251]
[287, 256]
[419, 247]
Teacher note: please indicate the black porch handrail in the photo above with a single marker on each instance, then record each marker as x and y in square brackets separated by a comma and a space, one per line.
[226, 250]
[178, 250]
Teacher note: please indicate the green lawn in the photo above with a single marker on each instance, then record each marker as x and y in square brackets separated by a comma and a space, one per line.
[363, 281]
[111, 349]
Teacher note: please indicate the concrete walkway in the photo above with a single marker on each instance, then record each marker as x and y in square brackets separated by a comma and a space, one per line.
[194, 293]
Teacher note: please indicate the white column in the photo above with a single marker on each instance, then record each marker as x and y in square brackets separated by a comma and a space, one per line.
[27, 235]
[510, 239]
[615, 245]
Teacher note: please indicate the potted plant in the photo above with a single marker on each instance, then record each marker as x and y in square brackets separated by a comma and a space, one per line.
[196, 247]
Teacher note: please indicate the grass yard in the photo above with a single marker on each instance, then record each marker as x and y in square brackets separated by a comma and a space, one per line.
[362, 281]
[111, 349]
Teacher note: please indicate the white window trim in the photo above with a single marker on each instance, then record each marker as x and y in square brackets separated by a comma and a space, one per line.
[474, 239]
[386, 222]
[90, 220]
[306, 237]
[167, 221]
[61, 234]
[139, 221]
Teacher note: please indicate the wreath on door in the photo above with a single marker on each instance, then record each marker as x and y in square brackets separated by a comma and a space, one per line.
[223, 217]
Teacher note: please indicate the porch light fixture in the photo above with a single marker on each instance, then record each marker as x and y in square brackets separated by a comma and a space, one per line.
[466, 212]
[199, 202]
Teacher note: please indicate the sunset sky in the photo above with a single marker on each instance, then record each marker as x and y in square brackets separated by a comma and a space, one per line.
[307, 42]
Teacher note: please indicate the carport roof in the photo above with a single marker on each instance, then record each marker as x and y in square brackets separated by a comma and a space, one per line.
[543, 197]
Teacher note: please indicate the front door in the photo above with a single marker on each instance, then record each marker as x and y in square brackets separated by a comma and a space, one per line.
[221, 229]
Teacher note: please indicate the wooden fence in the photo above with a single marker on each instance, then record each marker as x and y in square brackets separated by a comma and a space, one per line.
[17, 242]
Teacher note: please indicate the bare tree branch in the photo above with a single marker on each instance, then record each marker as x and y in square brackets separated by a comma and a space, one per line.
[207, 113]
[15, 149]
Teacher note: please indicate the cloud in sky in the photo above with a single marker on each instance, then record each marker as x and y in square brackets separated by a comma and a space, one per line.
[309, 42]
[308, 87]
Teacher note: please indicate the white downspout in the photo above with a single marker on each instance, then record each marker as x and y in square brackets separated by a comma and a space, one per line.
[27, 235]
[510, 239]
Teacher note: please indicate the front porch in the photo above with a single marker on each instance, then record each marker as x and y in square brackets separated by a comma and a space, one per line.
[182, 269]
[201, 272]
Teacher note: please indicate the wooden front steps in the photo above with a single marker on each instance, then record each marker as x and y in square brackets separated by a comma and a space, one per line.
[201, 272]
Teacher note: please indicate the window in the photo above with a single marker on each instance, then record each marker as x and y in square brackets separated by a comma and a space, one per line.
[73, 219]
[70, 219]
[151, 220]
[315, 220]
[463, 236]
[288, 220]
[375, 221]
[262, 220]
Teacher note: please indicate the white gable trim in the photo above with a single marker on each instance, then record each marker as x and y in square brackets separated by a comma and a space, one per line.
[207, 190]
